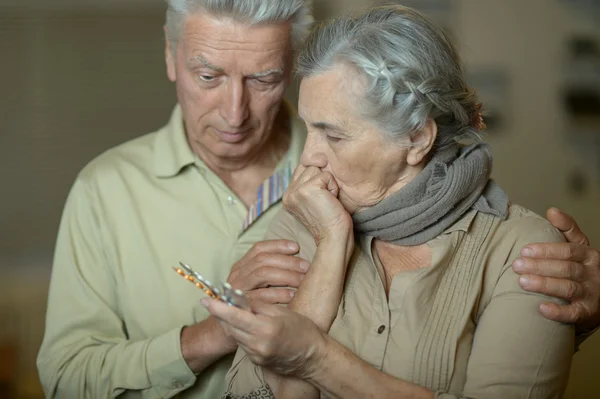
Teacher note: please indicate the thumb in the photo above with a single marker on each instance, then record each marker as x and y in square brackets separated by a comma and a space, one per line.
[567, 225]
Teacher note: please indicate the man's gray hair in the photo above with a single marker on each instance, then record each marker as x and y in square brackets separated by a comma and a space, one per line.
[412, 70]
[297, 12]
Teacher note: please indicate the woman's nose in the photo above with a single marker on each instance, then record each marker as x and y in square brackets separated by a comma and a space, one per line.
[313, 154]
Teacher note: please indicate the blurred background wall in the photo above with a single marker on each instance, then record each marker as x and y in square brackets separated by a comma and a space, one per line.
[80, 76]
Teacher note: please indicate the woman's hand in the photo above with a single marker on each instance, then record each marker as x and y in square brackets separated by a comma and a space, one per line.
[273, 336]
[312, 199]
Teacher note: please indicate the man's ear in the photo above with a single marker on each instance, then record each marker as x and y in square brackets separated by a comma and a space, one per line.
[170, 58]
[422, 142]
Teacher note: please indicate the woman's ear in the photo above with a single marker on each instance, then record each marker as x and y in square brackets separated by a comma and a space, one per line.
[422, 142]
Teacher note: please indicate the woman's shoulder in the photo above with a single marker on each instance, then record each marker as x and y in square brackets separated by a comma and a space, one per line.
[522, 224]
[287, 227]
[505, 242]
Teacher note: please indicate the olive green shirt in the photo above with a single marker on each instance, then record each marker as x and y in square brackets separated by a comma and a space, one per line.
[116, 308]
[462, 327]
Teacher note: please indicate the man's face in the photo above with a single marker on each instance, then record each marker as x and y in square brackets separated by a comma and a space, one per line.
[230, 79]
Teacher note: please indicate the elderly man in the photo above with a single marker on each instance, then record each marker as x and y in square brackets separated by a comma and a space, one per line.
[203, 190]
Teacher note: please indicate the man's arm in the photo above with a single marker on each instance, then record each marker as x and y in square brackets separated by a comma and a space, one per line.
[564, 270]
[86, 352]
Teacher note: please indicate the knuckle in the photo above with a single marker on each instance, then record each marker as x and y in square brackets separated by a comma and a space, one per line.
[579, 312]
[269, 331]
[262, 257]
[281, 295]
[571, 290]
[570, 250]
[233, 276]
[533, 266]
[261, 271]
[594, 258]
[577, 271]
[265, 350]
[256, 248]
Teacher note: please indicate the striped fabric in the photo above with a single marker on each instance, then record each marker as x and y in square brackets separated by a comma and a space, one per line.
[269, 193]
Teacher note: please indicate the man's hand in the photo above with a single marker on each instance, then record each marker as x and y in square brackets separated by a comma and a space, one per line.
[269, 272]
[568, 270]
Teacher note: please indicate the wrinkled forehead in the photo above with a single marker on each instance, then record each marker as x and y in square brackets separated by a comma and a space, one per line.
[236, 47]
[228, 34]
[341, 84]
[331, 100]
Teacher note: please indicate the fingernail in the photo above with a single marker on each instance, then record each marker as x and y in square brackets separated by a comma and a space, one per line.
[304, 265]
[519, 265]
[544, 308]
[293, 246]
[292, 293]
[528, 251]
[204, 302]
[524, 281]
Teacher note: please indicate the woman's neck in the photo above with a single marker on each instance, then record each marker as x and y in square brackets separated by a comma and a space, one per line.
[396, 259]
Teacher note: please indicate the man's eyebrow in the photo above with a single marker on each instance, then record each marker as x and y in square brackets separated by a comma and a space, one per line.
[266, 73]
[199, 60]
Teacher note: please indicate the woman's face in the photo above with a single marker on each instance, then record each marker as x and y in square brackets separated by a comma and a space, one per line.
[367, 166]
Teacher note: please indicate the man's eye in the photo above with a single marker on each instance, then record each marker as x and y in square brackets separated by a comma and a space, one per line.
[206, 78]
[333, 139]
[265, 81]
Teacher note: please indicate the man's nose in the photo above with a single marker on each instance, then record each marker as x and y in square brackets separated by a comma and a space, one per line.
[234, 105]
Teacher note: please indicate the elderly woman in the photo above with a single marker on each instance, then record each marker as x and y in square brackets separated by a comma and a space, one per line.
[410, 292]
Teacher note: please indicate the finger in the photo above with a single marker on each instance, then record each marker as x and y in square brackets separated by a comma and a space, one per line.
[234, 332]
[231, 315]
[285, 262]
[554, 287]
[266, 276]
[562, 313]
[257, 272]
[242, 337]
[271, 295]
[263, 308]
[298, 172]
[550, 268]
[556, 250]
[308, 174]
[326, 181]
[283, 247]
[565, 223]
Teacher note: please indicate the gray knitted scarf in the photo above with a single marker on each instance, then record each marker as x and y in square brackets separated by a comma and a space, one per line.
[454, 181]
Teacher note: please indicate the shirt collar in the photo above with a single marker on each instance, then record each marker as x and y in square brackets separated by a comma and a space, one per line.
[171, 149]
[462, 224]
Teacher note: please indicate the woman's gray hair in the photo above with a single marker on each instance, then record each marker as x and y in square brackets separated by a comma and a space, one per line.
[412, 69]
[297, 12]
